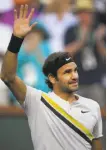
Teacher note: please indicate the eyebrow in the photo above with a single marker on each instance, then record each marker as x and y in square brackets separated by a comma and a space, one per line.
[69, 69]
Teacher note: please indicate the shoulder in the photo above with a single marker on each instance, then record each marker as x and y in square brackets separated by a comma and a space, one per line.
[33, 92]
[70, 34]
[33, 96]
[72, 17]
[73, 28]
[32, 103]
[90, 103]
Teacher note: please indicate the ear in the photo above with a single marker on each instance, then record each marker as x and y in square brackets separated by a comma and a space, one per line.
[52, 79]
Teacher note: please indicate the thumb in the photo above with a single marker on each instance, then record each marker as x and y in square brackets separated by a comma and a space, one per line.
[33, 25]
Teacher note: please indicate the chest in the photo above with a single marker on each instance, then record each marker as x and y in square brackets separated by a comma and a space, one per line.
[78, 112]
[83, 115]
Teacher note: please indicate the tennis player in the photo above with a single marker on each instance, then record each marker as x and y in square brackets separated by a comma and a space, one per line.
[58, 120]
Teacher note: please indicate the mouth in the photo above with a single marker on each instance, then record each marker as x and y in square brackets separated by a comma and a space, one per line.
[74, 83]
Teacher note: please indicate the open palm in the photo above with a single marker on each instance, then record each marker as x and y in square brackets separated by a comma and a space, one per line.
[22, 23]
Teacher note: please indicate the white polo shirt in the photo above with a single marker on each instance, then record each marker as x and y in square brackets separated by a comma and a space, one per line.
[51, 130]
[57, 27]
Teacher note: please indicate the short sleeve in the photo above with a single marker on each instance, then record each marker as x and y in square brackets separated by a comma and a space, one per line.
[97, 132]
[70, 35]
[32, 101]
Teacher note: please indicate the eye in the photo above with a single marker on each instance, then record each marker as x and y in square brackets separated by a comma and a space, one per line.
[76, 69]
[68, 71]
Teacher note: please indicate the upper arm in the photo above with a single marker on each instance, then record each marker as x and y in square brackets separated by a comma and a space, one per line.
[70, 35]
[96, 144]
[27, 96]
[97, 131]
[18, 88]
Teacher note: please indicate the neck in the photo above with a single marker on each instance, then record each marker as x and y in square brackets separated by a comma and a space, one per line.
[70, 97]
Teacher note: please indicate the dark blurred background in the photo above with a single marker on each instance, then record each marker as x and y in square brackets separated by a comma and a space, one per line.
[77, 26]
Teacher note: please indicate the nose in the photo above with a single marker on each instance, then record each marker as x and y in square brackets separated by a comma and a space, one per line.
[74, 76]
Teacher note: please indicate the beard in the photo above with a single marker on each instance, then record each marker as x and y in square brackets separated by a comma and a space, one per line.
[69, 90]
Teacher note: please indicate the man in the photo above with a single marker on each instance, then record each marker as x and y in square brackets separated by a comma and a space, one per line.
[58, 11]
[59, 120]
[88, 48]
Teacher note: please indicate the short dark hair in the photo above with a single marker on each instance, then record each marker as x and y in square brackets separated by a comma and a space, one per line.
[54, 62]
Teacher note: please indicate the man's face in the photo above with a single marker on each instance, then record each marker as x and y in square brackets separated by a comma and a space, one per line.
[86, 17]
[67, 77]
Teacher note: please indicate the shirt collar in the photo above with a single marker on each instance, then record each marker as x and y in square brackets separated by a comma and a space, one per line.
[61, 101]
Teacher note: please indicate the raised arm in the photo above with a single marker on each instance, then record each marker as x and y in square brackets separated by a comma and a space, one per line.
[72, 42]
[8, 72]
[100, 33]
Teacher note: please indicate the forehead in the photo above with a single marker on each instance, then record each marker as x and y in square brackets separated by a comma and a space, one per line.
[85, 13]
[71, 65]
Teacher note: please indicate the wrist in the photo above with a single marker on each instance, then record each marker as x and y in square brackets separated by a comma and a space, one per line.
[82, 42]
[21, 37]
[15, 43]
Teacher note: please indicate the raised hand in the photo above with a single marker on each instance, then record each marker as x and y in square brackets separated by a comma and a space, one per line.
[22, 22]
[100, 32]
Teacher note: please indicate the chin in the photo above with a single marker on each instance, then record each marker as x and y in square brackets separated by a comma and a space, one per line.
[70, 90]
[74, 89]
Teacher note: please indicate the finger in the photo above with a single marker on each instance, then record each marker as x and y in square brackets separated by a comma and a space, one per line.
[25, 11]
[21, 11]
[15, 14]
[33, 25]
[31, 14]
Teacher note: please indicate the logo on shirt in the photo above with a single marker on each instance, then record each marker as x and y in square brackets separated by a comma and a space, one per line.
[84, 111]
